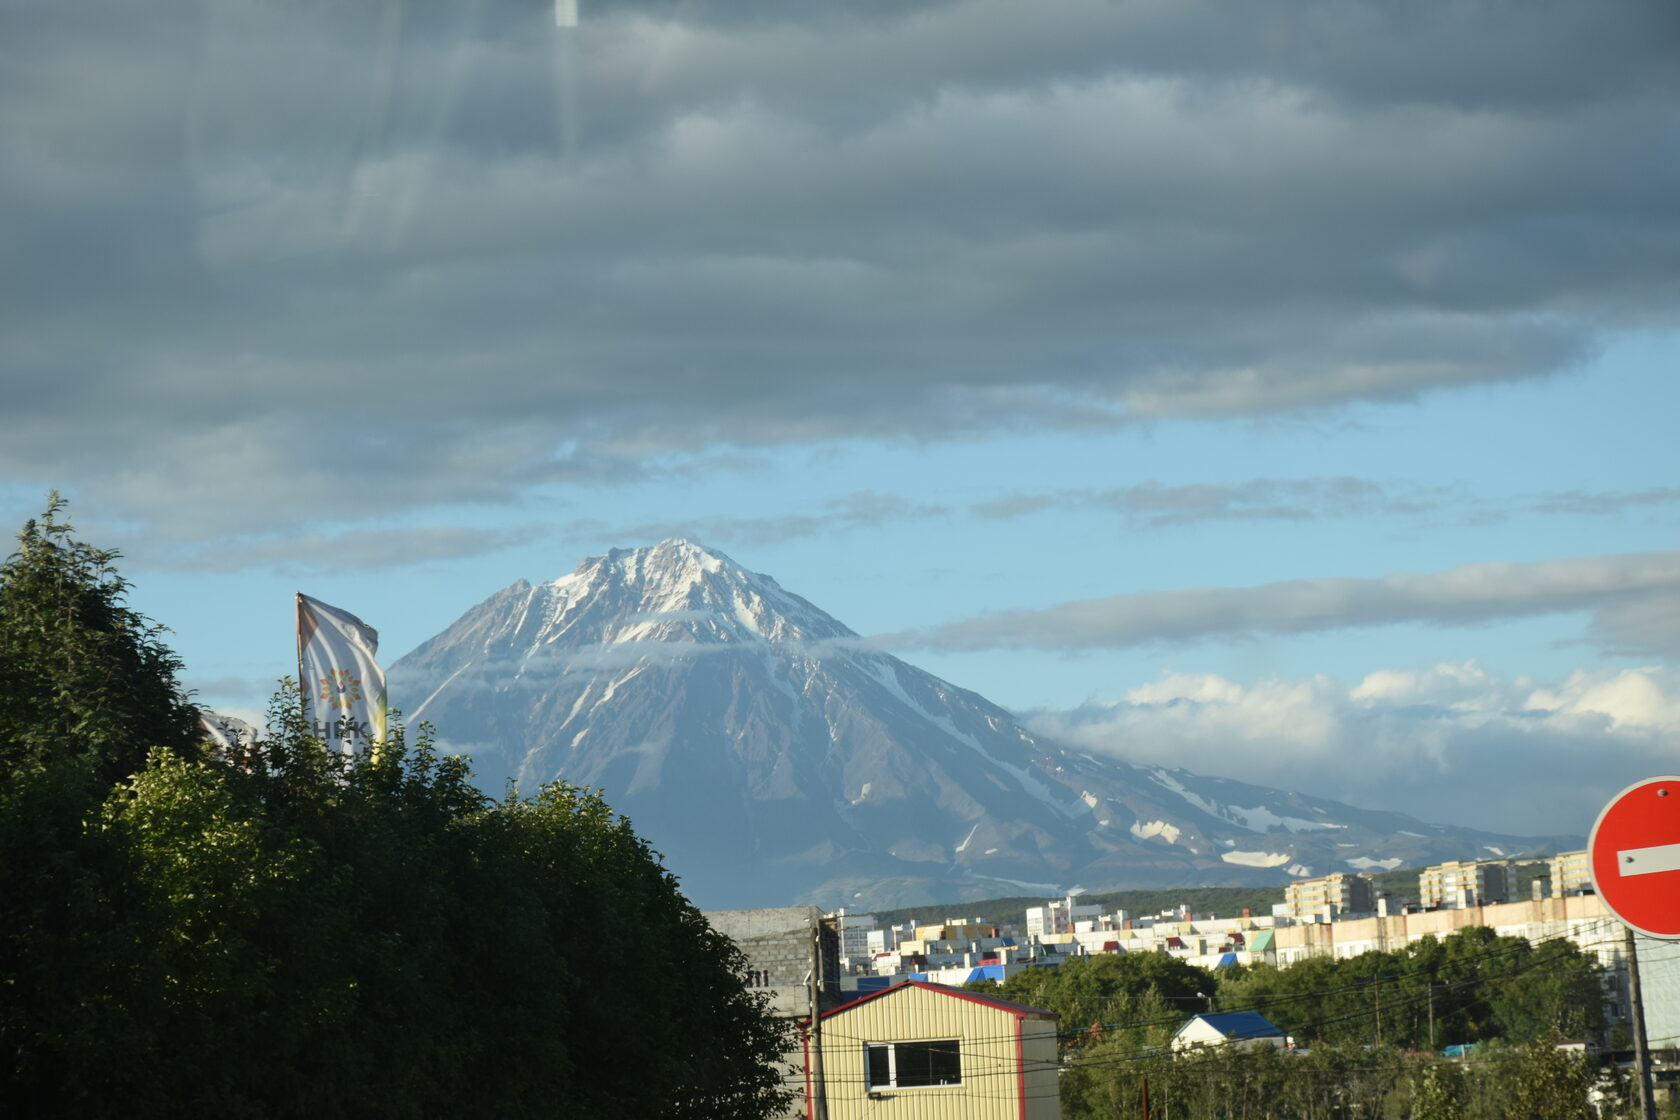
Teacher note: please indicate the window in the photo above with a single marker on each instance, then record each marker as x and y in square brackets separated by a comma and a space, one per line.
[907, 1065]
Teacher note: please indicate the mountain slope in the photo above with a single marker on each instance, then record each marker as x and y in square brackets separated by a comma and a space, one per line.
[773, 756]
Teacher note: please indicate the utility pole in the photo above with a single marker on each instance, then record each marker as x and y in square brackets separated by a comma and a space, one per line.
[1636, 1005]
[1377, 994]
[1432, 1016]
[819, 1088]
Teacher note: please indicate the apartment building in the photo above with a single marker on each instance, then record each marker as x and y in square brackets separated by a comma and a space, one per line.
[1571, 873]
[1465, 883]
[1058, 917]
[1348, 893]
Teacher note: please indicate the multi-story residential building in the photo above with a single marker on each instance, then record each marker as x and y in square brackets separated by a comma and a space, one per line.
[1058, 917]
[1571, 873]
[1464, 883]
[1348, 893]
[854, 934]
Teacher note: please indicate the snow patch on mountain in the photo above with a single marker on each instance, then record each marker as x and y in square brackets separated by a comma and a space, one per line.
[1261, 819]
[1257, 819]
[1168, 832]
[1255, 859]
[1365, 863]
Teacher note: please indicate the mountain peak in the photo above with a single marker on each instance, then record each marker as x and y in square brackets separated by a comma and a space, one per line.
[773, 762]
[678, 590]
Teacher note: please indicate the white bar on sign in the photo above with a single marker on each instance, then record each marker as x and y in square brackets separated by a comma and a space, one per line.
[1645, 861]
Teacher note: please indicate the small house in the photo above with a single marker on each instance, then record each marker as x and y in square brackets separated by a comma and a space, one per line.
[934, 1053]
[1246, 1030]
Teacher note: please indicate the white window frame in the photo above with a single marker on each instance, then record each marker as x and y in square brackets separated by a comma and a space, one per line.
[891, 1048]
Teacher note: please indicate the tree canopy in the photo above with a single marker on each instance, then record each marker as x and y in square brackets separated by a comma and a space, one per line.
[281, 931]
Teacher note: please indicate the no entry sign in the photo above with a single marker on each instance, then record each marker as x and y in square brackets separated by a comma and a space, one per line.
[1635, 850]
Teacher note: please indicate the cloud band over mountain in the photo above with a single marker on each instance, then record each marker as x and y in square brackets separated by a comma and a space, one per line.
[1609, 586]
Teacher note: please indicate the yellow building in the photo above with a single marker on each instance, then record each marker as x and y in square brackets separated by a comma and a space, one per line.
[928, 1052]
[1464, 883]
[1348, 893]
[1571, 873]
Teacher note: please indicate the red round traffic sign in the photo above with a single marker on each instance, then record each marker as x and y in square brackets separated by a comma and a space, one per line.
[1635, 852]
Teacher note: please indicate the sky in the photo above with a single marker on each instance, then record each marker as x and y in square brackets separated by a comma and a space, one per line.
[1286, 392]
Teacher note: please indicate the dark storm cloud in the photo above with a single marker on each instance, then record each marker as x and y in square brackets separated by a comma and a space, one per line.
[1623, 590]
[292, 261]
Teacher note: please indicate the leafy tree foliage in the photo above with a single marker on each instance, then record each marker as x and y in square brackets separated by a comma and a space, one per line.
[83, 679]
[1110, 989]
[1363, 1025]
[1544, 1083]
[1437, 1092]
[1472, 986]
[86, 688]
[287, 932]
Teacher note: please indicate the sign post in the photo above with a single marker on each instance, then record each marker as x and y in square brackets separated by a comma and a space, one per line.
[1635, 853]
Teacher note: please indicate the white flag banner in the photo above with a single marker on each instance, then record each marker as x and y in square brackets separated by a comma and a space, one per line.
[228, 736]
[343, 686]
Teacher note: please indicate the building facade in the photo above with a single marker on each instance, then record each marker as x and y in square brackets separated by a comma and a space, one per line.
[793, 957]
[1570, 873]
[1348, 893]
[928, 1052]
[1464, 883]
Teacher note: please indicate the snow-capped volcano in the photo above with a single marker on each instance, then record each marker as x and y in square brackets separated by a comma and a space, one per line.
[772, 755]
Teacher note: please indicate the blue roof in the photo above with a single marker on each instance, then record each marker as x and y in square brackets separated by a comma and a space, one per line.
[1228, 960]
[1241, 1024]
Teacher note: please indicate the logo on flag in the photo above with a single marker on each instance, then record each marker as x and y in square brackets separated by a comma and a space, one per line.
[341, 689]
[344, 694]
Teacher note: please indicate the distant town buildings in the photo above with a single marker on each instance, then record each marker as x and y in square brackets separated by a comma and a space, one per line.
[809, 964]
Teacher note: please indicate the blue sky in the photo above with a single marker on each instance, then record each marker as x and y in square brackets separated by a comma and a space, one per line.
[1323, 361]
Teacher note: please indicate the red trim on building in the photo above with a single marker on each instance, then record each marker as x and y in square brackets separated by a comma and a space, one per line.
[1021, 1063]
[810, 1102]
[1019, 1010]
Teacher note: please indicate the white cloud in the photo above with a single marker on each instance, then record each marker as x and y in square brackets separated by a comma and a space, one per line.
[1634, 701]
[1624, 589]
[1452, 742]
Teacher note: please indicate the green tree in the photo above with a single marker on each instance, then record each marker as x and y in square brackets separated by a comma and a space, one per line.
[1437, 1091]
[1542, 1082]
[1104, 990]
[86, 690]
[83, 678]
[287, 932]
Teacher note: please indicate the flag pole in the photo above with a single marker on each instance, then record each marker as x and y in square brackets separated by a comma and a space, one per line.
[303, 693]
